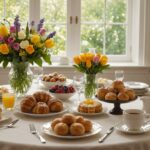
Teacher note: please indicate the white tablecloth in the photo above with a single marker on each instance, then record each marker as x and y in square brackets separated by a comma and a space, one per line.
[20, 138]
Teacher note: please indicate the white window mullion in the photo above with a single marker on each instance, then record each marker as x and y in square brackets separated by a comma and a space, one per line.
[34, 11]
[73, 29]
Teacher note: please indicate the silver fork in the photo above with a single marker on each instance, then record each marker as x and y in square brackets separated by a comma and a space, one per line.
[34, 131]
[11, 125]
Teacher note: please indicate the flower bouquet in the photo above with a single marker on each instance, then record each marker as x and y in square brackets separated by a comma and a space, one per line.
[90, 64]
[22, 47]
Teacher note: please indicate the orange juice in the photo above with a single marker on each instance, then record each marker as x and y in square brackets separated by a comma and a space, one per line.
[8, 100]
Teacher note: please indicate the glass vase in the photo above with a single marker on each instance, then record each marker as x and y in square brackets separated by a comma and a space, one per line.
[89, 85]
[20, 78]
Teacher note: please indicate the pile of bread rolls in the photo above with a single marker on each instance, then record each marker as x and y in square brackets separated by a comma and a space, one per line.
[40, 103]
[70, 124]
[117, 91]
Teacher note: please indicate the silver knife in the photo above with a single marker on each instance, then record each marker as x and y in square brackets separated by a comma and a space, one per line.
[11, 125]
[102, 139]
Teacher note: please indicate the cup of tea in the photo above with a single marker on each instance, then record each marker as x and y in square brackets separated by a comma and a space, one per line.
[8, 100]
[146, 103]
[133, 118]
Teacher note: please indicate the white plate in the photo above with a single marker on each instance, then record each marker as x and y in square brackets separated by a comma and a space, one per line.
[4, 118]
[49, 84]
[125, 129]
[136, 85]
[75, 110]
[17, 109]
[46, 128]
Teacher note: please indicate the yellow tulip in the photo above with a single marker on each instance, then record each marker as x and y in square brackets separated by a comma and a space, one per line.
[83, 57]
[103, 60]
[49, 43]
[3, 30]
[89, 56]
[77, 60]
[35, 39]
[29, 49]
[4, 49]
[88, 63]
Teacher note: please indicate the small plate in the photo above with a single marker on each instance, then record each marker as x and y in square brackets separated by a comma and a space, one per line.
[17, 109]
[75, 110]
[136, 85]
[125, 129]
[46, 128]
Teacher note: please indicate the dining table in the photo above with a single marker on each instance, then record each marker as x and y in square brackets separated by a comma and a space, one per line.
[20, 137]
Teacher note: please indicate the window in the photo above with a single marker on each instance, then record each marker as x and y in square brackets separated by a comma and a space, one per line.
[106, 25]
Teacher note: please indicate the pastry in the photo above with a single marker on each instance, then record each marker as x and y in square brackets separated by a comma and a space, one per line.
[101, 93]
[40, 108]
[79, 119]
[130, 93]
[55, 121]
[123, 96]
[61, 129]
[118, 85]
[0, 113]
[111, 89]
[42, 96]
[55, 105]
[27, 104]
[68, 119]
[90, 106]
[111, 96]
[77, 129]
[87, 125]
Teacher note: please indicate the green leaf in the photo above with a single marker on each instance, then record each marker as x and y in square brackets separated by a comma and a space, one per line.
[38, 61]
[47, 58]
[27, 30]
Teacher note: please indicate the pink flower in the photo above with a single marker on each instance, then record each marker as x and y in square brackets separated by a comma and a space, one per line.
[96, 59]
[10, 40]
[1, 38]
[12, 29]
[42, 31]
[16, 46]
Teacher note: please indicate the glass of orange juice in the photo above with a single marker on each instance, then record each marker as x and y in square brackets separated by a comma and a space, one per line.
[8, 100]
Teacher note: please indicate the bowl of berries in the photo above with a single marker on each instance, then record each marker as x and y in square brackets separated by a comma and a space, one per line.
[62, 92]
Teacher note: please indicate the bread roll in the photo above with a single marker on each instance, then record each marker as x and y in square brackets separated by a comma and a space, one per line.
[42, 96]
[87, 125]
[55, 105]
[130, 93]
[123, 96]
[27, 104]
[40, 108]
[79, 119]
[77, 129]
[118, 85]
[55, 121]
[68, 119]
[61, 129]
[111, 96]
[101, 92]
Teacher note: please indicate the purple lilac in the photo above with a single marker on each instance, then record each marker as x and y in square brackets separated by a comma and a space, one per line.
[40, 25]
[16, 46]
[10, 40]
[12, 29]
[17, 23]
[51, 35]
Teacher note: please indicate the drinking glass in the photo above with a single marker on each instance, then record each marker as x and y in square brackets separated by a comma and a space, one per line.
[8, 100]
[78, 84]
[119, 75]
[38, 72]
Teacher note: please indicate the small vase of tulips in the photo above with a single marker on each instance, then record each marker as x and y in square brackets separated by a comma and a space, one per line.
[90, 64]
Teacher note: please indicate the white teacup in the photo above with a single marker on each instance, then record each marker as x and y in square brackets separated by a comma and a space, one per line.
[146, 103]
[133, 118]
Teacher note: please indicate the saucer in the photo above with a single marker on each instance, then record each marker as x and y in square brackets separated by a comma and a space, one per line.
[123, 128]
